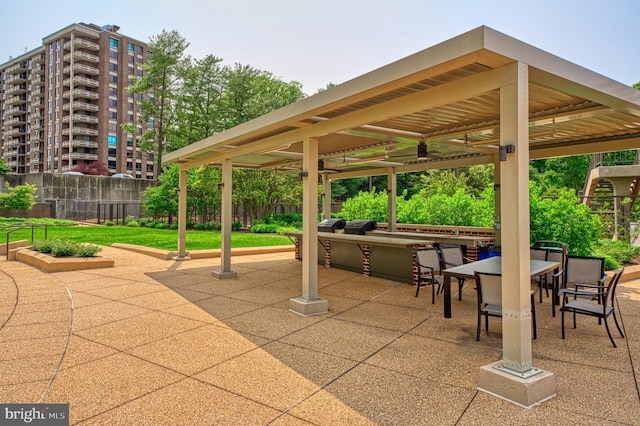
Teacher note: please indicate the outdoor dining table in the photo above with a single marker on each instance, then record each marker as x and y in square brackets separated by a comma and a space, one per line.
[492, 265]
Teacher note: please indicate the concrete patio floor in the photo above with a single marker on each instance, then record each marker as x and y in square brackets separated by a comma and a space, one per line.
[157, 342]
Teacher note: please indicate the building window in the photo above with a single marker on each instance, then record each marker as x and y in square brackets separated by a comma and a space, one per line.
[131, 47]
[113, 67]
[113, 103]
[130, 117]
[112, 152]
[113, 43]
[129, 141]
[131, 59]
[139, 50]
[112, 164]
[139, 60]
[113, 127]
[113, 115]
[113, 141]
[113, 54]
[132, 70]
[130, 106]
[139, 73]
[113, 79]
[113, 91]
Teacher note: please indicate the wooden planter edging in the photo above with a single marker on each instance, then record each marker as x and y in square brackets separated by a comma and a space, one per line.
[62, 264]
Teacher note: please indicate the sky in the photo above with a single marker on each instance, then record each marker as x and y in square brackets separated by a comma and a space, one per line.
[332, 41]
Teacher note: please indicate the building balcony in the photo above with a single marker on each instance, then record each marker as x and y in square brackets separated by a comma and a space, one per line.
[17, 110]
[14, 121]
[37, 92]
[80, 106]
[82, 43]
[38, 70]
[15, 131]
[17, 79]
[80, 156]
[81, 93]
[12, 143]
[16, 90]
[36, 115]
[12, 163]
[37, 81]
[80, 118]
[77, 143]
[79, 55]
[38, 59]
[81, 131]
[81, 68]
[15, 100]
[79, 80]
[15, 68]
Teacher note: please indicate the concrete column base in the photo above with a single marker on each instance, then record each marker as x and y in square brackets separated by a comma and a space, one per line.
[220, 275]
[177, 257]
[308, 307]
[524, 392]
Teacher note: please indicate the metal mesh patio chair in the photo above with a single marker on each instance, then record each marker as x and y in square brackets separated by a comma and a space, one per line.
[428, 260]
[584, 271]
[540, 281]
[452, 255]
[597, 302]
[489, 289]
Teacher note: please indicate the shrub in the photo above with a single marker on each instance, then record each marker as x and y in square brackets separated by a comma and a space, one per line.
[200, 226]
[236, 226]
[43, 246]
[132, 223]
[264, 228]
[129, 219]
[615, 252]
[62, 247]
[161, 225]
[174, 226]
[150, 224]
[88, 250]
[109, 223]
[65, 248]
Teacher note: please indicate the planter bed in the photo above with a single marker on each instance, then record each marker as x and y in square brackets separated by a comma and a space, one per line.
[50, 263]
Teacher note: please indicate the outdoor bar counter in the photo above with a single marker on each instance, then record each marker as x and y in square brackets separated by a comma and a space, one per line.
[470, 242]
[379, 256]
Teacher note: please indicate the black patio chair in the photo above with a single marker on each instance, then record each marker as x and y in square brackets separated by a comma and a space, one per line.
[453, 255]
[489, 289]
[428, 260]
[584, 271]
[539, 254]
[597, 302]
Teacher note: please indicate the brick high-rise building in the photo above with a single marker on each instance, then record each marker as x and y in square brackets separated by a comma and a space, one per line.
[63, 103]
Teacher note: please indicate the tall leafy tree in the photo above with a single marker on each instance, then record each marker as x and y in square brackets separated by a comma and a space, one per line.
[199, 108]
[160, 84]
[3, 168]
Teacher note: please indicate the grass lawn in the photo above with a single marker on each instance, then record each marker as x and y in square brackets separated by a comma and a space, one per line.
[158, 238]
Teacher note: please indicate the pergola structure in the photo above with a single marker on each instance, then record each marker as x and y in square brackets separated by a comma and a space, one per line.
[481, 97]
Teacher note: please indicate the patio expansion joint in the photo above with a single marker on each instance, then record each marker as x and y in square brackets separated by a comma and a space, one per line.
[15, 301]
[626, 339]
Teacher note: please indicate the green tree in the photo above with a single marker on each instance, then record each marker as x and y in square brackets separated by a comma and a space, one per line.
[19, 197]
[569, 172]
[260, 190]
[250, 93]
[198, 108]
[3, 168]
[160, 87]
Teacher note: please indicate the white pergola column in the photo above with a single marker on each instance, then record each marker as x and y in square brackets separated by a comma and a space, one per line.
[326, 197]
[392, 189]
[309, 303]
[514, 377]
[182, 214]
[225, 232]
